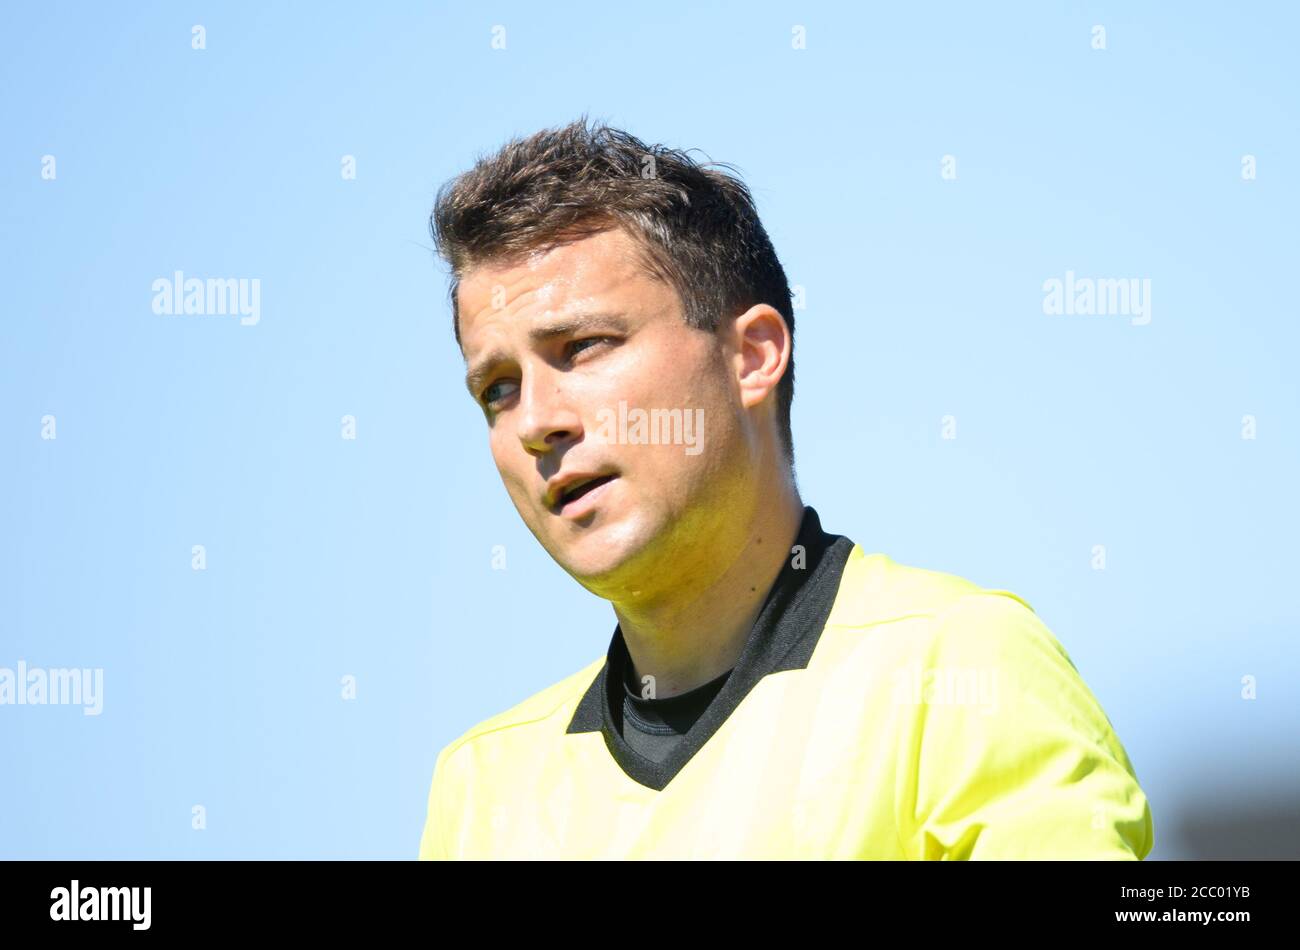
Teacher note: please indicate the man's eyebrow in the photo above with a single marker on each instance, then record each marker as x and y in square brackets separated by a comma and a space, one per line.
[563, 326]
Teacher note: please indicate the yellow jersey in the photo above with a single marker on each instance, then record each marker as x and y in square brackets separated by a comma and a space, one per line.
[878, 711]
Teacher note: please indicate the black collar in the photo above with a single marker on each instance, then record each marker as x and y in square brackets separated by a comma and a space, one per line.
[783, 638]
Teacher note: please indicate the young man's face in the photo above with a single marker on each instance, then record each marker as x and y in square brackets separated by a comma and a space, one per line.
[552, 347]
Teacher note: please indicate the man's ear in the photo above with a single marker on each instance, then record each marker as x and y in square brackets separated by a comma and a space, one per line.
[761, 343]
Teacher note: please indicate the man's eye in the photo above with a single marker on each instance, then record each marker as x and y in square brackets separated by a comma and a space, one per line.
[578, 343]
[492, 393]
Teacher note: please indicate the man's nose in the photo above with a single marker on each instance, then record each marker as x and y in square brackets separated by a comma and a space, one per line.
[546, 414]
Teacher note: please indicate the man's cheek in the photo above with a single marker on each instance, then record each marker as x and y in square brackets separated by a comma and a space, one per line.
[519, 495]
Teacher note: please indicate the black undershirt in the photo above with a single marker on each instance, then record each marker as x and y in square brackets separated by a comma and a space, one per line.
[653, 727]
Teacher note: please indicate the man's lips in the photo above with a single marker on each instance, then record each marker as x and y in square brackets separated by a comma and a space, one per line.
[576, 488]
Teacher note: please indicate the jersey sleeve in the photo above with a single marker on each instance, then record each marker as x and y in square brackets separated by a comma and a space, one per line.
[1008, 754]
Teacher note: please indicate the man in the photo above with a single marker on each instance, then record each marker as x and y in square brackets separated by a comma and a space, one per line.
[771, 690]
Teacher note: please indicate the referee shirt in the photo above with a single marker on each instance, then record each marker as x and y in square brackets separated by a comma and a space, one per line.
[877, 711]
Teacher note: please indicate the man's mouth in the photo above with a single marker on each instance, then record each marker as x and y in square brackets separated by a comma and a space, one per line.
[574, 492]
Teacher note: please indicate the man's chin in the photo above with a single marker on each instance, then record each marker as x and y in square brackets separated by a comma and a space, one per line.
[604, 562]
[595, 567]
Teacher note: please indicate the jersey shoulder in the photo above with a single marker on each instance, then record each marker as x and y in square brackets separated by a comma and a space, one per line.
[561, 696]
[874, 588]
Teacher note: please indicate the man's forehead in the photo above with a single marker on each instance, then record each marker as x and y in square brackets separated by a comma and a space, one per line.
[600, 259]
[594, 272]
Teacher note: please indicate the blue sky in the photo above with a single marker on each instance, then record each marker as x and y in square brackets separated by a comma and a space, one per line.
[370, 557]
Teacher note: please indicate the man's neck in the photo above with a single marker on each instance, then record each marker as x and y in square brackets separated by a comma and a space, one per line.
[686, 641]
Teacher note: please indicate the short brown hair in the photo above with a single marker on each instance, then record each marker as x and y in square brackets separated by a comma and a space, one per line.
[697, 227]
